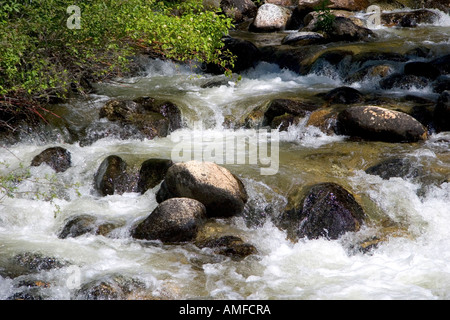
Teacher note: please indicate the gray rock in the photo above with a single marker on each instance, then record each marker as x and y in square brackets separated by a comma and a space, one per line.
[322, 210]
[222, 193]
[152, 172]
[174, 220]
[380, 124]
[270, 17]
[111, 176]
[58, 158]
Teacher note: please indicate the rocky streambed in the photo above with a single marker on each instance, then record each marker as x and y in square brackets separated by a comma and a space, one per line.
[152, 186]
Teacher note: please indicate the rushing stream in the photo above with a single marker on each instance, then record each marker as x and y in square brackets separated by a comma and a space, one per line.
[412, 263]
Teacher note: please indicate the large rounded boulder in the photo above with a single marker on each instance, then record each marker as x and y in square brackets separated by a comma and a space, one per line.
[174, 220]
[322, 210]
[380, 124]
[222, 193]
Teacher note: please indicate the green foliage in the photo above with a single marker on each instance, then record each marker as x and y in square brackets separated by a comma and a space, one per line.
[325, 18]
[40, 55]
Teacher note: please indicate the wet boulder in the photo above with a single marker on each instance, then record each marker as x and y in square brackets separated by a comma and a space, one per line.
[422, 69]
[270, 18]
[380, 124]
[145, 115]
[403, 81]
[115, 110]
[342, 29]
[31, 262]
[152, 172]
[442, 112]
[283, 122]
[58, 158]
[441, 84]
[285, 112]
[246, 53]
[344, 95]
[167, 109]
[222, 193]
[395, 167]
[295, 58]
[174, 220]
[325, 119]
[442, 63]
[85, 224]
[322, 210]
[369, 72]
[230, 246]
[408, 19]
[111, 176]
[442, 5]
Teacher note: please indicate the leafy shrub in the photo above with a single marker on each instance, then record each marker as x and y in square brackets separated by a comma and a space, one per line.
[325, 18]
[40, 56]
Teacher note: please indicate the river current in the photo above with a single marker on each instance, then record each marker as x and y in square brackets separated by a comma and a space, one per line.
[412, 263]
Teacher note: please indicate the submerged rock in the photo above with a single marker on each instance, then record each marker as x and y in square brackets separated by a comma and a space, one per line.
[174, 220]
[303, 38]
[58, 158]
[230, 246]
[380, 124]
[322, 210]
[85, 224]
[395, 167]
[222, 193]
